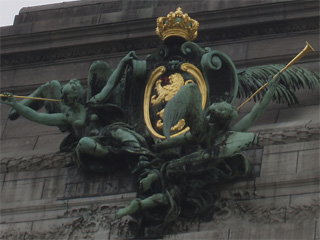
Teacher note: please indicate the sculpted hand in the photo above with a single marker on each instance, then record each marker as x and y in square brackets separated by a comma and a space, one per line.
[9, 99]
[129, 57]
[274, 82]
[92, 101]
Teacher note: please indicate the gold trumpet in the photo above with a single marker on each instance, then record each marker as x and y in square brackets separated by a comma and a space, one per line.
[34, 98]
[307, 49]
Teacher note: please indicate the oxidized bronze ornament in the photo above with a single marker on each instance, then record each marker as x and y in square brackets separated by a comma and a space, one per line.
[160, 92]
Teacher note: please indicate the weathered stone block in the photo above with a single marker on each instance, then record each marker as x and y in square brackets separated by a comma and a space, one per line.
[6, 81]
[15, 230]
[4, 109]
[14, 129]
[42, 74]
[54, 187]
[17, 175]
[278, 231]
[22, 190]
[54, 226]
[287, 184]
[304, 199]
[299, 146]
[23, 144]
[307, 97]
[257, 49]
[32, 210]
[50, 143]
[309, 161]
[282, 163]
[308, 112]
[70, 190]
[213, 234]
[235, 51]
[3, 123]
[267, 202]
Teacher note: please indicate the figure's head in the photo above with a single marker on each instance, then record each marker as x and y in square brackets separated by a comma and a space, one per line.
[72, 91]
[221, 112]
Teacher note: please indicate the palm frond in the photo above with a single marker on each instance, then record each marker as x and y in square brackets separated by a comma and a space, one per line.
[293, 79]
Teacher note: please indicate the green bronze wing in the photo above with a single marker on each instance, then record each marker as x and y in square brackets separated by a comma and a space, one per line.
[98, 76]
[294, 78]
[186, 104]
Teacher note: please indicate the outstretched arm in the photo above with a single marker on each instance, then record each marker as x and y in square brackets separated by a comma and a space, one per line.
[55, 119]
[50, 89]
[113, 80]
[245, 123]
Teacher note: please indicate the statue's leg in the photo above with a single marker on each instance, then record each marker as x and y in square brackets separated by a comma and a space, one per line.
[199, 162]
[146, 182]
[125, 137]
[192, 164]
[138, 205]
[90, 146]
[230, 144]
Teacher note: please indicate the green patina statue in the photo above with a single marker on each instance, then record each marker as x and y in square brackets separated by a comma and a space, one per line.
[189, 110]
[171, 116]
[98, 134]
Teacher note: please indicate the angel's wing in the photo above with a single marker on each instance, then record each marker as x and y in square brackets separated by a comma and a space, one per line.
[294, 78]
[186, 104]
[50, 89]
[98, 76]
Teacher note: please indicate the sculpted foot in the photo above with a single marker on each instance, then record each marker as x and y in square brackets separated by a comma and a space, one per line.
[133, 207]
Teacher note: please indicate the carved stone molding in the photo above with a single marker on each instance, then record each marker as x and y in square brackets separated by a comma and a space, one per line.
[150, 42]
[86, 222]
[268, 214]
[309, 132]
[262, 29]
[36, 162]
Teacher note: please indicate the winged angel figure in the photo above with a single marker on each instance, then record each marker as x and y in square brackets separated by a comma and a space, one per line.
[97, 132]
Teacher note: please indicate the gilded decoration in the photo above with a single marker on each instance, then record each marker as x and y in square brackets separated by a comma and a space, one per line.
[177, 24]
[161, 89]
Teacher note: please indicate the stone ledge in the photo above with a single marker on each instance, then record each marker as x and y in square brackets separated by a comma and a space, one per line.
[36, 162]
[292, 147]
[53, 209]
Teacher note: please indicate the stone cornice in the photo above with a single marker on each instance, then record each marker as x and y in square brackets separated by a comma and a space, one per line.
[150, 42]
[104, 39]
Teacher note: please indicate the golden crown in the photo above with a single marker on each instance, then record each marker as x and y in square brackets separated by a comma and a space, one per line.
[177, 24]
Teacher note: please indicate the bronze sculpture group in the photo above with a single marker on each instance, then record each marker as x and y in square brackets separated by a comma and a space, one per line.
[169, 117]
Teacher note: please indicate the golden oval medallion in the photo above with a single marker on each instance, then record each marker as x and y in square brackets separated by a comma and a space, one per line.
[158, 92]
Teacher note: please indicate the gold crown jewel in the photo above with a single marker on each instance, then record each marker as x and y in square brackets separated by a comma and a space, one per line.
[177, 24]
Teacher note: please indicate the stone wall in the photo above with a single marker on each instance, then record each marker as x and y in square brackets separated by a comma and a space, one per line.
[44, 196]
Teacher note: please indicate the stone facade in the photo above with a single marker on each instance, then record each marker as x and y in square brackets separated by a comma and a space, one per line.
[44, 196]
